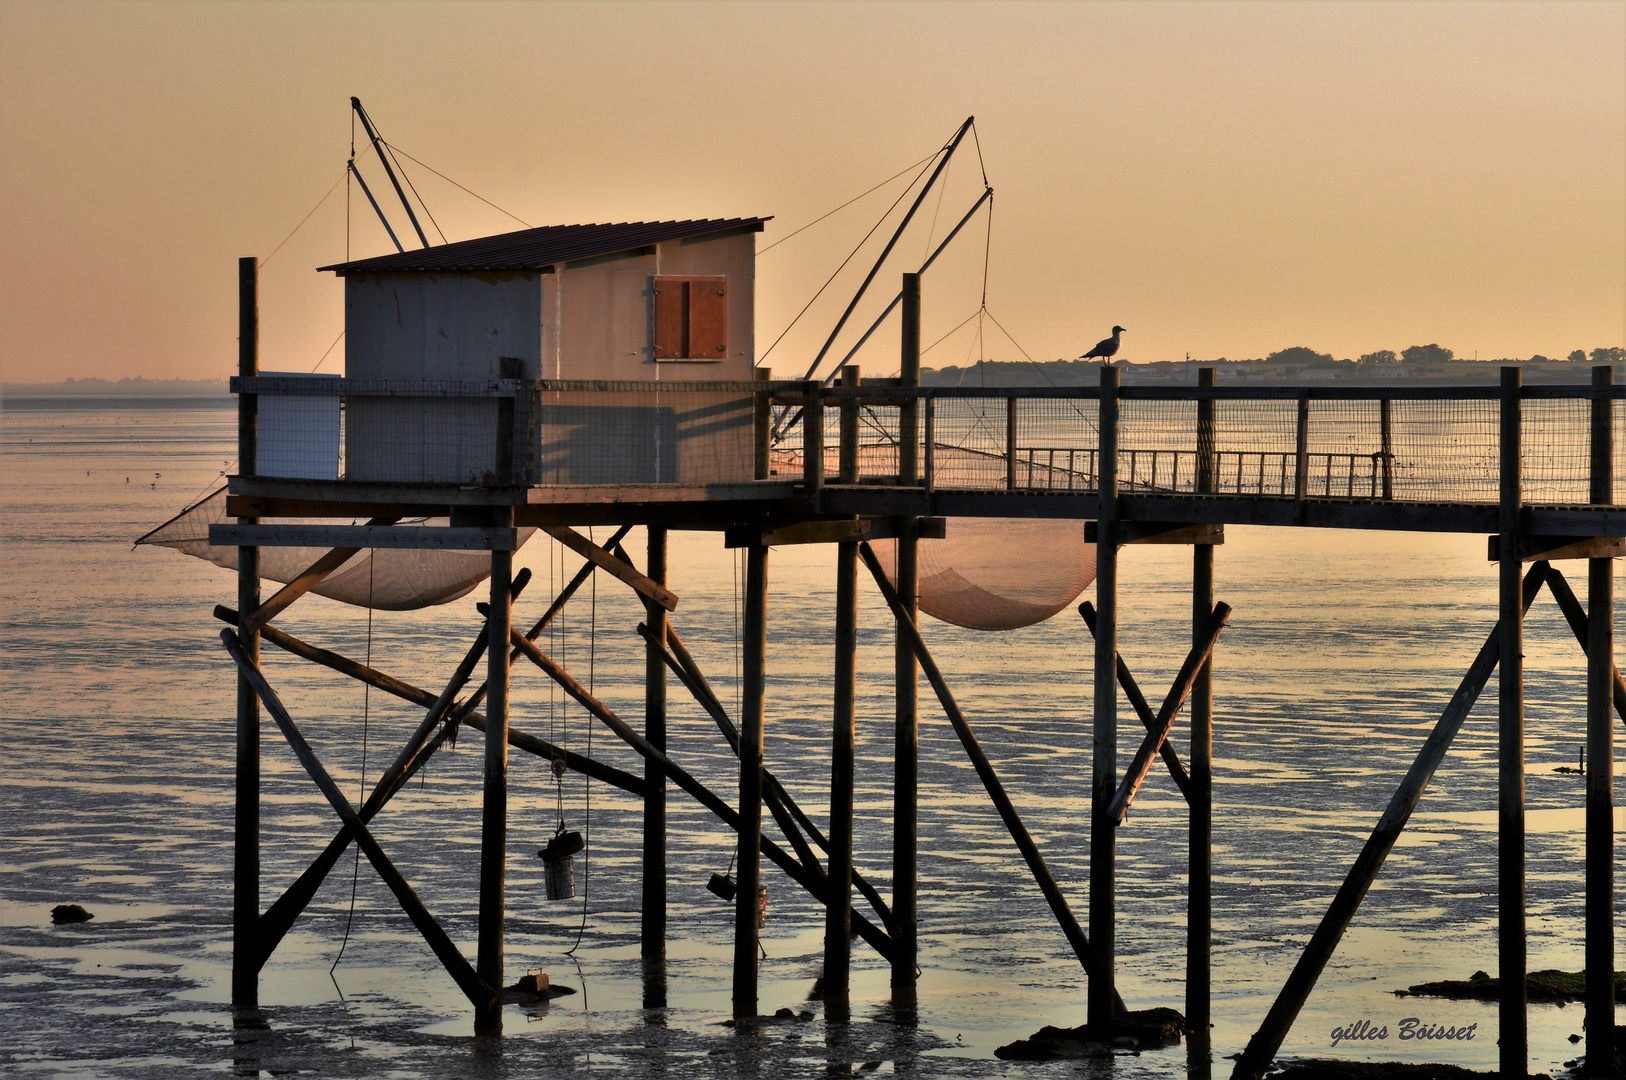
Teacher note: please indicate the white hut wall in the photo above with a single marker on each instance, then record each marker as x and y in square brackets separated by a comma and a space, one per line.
[434, 326]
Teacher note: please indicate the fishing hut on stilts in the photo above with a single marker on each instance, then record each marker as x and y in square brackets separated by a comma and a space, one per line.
[564, 377]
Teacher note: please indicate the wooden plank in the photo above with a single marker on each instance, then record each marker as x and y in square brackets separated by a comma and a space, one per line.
[1556, 548]
[355, 537]
[457, 965]
[844, 530]
[1161, 532]
[596, 555]
[1141, 764]
[261, 506]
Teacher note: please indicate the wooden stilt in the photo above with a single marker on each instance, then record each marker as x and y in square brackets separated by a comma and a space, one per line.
[838, 899]
[1261, 1049]
[1200, 792]
[748, 863]
[494, 811]
[245, 986]
[1514, 1037]
[1600, 781]
[1104, 780]
[906, 683]
[653, 939]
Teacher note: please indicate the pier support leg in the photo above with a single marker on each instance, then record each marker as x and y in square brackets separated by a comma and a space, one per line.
[654, 893]
[1600, 781]
[1514, 1041]
[1200, 795]
[1104, 779]
[838, 898]
[494, 813]
[245, 975]
[906, 717]
[749, 859]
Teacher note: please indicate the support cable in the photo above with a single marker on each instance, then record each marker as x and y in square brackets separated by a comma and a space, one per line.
[397, 150]
[361, 797]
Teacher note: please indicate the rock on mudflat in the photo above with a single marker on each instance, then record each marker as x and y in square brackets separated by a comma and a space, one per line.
[1146, 1029]
[69, 913]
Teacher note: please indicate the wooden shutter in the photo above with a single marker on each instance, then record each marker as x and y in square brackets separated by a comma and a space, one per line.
[691, 317]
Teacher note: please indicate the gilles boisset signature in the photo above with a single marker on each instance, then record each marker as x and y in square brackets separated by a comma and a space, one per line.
[1408, 1029]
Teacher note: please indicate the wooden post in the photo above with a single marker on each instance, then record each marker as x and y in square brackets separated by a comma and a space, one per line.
[762, 425]
[245, 980]
[1104, 781]
[494, 808]
[838, 898]
[1010, 444]
[906, 714]
[847, 466]
[1600, 780]
[1511, 945]
[1386, 427]
[749, 858]
[812, 441]
[1200, 790]
[653, 939]
[1301, 468]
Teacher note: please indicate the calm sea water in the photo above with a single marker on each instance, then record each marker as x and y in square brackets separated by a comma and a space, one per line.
[116, 708]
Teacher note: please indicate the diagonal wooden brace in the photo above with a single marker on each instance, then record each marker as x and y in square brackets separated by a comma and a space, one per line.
[590, 551]
[790, 817]
[305, 582]
[1576, 616]
[1046, 881]
[475, 988]
[1163, 723]
[812, 882]
[1137, 700]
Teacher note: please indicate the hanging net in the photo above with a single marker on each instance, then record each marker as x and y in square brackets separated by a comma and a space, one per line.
[999, 573]
[397, 579]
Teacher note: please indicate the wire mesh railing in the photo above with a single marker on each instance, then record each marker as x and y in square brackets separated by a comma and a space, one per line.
[1426, 444]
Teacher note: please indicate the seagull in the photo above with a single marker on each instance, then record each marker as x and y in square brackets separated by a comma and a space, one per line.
[1106, 348]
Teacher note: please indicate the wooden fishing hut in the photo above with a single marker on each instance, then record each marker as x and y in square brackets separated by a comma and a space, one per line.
[604, 375]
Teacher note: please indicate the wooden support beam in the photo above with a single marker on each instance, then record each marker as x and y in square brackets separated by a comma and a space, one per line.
[1104, 733]
[843, 740]
[312, 576]
[245, 983]
[701, 794]
[1512, 943]
[1556, 548]
[494, 790]
[1161, 532]
[480, 993]
[1200, 791]
[601, 558]
[1148, 719]
[844, 530]
[1601, 1050]
[652, 926]
[1141, 763]
[1261, 1050]
[753, 721]
[1088, 957]
[356, 537]
[1581, 626]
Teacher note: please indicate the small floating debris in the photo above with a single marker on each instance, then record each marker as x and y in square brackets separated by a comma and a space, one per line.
[1143, 1029]
[69, 913]
[532, 987]
[1548, 985]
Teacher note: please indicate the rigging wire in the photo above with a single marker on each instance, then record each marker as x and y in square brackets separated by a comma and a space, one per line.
[838, 209]
[850, 256]
[926, 252]
[361, 785]
[587, 781]
[301, 225]
[397, 150]
[414, 187]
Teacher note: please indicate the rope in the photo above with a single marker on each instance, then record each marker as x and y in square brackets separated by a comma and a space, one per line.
[261, 264]
[838, 209]
[397, 150]
[850, 255]
[587, 781]
[361, 785]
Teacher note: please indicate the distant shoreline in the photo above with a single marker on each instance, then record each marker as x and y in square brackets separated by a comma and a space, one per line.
[116, 389]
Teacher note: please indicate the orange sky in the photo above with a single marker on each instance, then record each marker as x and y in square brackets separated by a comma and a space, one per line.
[1224, 179]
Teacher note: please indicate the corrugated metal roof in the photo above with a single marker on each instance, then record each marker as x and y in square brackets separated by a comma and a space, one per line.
[532, 249]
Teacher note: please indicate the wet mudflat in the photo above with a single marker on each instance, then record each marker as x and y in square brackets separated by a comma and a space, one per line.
[115, 793]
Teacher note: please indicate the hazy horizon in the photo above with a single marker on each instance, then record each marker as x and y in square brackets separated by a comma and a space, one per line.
[1221, 179]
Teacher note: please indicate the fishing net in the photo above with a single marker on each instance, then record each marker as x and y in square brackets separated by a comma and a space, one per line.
[999, 573]
[396, 579]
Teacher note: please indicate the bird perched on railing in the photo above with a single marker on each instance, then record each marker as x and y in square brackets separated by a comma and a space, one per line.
[1106, 348]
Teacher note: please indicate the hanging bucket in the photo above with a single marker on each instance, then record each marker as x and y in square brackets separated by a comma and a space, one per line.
[559, 859]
